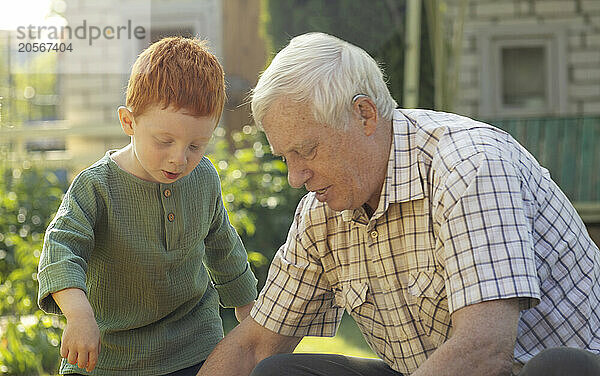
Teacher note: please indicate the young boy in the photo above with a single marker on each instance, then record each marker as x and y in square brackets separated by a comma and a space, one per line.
[141, 249]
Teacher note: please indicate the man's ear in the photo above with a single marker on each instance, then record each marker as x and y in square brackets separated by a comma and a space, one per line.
[366, 110]
[127, 120]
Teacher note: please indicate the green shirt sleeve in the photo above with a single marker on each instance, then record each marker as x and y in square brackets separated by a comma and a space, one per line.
[227, 261]
[68, 243]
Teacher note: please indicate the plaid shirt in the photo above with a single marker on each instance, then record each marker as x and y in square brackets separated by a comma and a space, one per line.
[466, 215]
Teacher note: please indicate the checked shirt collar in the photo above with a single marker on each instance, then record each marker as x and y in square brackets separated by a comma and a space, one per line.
[403, 180]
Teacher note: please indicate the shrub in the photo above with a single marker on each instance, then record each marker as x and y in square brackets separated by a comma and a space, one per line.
[256, 194]
[29, 338]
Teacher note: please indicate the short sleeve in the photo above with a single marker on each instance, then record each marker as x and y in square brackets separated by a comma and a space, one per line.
[487, 241]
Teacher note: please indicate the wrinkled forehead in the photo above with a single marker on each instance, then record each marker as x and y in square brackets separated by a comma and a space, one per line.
[284, 107]
[289, 125]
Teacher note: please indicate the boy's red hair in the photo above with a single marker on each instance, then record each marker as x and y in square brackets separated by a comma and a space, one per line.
[180, 73]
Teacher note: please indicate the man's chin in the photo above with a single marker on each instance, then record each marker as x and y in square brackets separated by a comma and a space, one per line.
[337, 206]
[332, 203]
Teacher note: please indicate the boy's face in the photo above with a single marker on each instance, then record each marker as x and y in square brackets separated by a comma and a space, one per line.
[166, 144]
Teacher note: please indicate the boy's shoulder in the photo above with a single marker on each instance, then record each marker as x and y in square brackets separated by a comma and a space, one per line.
[92, 177]
[97, 171]
[206, 171]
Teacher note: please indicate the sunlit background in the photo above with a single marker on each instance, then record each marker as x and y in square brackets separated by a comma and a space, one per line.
[25, 12]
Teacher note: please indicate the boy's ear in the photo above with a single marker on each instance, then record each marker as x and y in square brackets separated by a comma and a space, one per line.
[127, 120]
[366, 110]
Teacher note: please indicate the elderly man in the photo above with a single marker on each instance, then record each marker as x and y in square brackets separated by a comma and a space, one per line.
[444, 239]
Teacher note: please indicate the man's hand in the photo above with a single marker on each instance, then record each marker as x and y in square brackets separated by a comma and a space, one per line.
[243, 311]
[244, 347]
[81, 338]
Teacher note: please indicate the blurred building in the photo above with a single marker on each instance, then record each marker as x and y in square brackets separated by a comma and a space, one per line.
[91, 85]
[525, 58]
[531, 67]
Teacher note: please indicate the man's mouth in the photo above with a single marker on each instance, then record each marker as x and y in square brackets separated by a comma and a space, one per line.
[320, 193]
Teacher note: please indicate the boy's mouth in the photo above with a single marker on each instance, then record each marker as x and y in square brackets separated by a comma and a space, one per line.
[170, 175]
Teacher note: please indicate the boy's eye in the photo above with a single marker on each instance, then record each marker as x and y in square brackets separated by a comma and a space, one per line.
[194, 147]
[163, 141]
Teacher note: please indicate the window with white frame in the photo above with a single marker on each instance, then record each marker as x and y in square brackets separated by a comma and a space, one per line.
[522, 73]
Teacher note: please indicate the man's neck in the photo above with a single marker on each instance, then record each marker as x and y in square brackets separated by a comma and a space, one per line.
[386, 141]
[368, 210]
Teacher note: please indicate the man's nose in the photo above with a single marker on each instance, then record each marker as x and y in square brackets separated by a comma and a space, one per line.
[298, 175]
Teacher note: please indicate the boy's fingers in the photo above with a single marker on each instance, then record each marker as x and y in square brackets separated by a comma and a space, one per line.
[64, 352]
[82, 360]
[72, 358]
[92, 360]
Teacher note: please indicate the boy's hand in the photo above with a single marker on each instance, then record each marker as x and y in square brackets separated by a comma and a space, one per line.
[243, 311]
[81, 337]
[81, 342]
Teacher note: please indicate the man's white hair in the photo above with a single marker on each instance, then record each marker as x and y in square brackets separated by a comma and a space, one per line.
[324, 72]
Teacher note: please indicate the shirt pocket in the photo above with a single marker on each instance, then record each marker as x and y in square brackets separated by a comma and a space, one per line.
[351, 296]
[426, 297]
[354, 297]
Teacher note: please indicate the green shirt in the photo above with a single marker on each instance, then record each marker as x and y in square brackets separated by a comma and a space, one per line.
[154, 260]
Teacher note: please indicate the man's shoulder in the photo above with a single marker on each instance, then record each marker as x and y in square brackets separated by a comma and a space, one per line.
[444, 126]
[451, 139]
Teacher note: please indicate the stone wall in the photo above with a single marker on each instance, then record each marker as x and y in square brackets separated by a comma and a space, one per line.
[579, 20]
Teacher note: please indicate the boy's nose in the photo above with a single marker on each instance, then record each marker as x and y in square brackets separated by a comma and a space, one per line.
[178, 158]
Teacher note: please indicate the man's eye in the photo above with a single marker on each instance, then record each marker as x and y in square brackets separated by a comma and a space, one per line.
[310, 154]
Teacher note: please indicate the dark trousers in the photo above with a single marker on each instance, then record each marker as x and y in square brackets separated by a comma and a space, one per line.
[321, 365]
[562, 361]
[190, 371]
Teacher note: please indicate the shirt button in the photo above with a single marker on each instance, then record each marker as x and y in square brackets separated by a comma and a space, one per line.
[167, 193]
[171, 217]
[374, 234]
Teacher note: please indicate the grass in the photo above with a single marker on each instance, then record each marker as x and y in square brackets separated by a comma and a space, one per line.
[333, 345]
[347, 341]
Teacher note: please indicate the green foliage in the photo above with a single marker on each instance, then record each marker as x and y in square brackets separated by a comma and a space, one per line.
[378, 28]
[29, 338]
[258, 199]
[30, 345]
